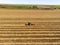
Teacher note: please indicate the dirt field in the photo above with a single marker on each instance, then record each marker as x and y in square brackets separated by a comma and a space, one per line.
[29, 13]
[44, 27]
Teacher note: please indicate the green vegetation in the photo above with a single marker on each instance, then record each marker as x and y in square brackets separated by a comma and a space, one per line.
[19, 6]
[56, 6]
[44, 7]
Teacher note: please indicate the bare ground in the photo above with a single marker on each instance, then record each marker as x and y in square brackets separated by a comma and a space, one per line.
[7, 13]
[45, 31]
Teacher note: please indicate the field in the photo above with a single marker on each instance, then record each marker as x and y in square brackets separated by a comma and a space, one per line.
[44, 27]
[29, 13]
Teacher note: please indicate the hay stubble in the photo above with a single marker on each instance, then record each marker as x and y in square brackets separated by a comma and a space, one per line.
[45, 31]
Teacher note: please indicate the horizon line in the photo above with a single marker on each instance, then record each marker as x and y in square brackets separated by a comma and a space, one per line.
[29, 4]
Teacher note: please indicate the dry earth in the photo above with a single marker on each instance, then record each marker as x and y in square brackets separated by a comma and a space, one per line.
[29, 13]
[44, 27]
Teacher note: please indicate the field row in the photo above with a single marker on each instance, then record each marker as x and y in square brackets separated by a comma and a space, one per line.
[18, 32]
